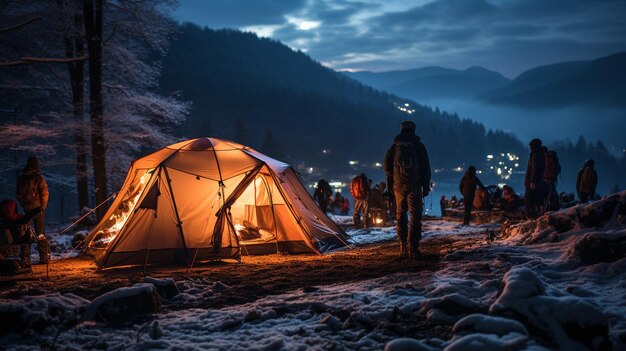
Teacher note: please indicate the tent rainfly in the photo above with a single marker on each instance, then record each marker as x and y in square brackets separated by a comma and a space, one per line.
[208, 198]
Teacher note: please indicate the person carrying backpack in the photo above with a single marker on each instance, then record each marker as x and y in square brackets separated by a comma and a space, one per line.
[468, 185]
[587, 181]
[360, 190]
[551, 170]
[407, 169]
[533, 182]
[32, 193]
[322, 194]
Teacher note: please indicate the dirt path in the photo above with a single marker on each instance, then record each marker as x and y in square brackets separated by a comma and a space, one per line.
[254, 278]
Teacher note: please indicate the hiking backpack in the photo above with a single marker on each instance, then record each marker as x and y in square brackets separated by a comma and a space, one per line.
[359, 187]
[27, 190]
[406, 164]
[552, 167]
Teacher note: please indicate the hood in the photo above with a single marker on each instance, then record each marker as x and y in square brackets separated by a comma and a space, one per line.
[406, 135]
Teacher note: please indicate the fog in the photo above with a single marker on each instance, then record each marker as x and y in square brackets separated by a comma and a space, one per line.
[605, 124]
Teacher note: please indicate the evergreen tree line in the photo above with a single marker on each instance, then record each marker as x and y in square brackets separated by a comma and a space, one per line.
[238, 81]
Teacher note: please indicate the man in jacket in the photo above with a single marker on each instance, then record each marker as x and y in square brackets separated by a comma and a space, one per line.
[407, 170]
[533, 183]
[32, 193]
[322, 194]
[468, 185]
[587, 181]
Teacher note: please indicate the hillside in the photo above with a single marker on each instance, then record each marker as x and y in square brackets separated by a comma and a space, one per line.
[262, 93]
[428, 83]
[598, 83]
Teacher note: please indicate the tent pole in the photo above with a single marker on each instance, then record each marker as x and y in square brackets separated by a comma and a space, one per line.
[269, 192]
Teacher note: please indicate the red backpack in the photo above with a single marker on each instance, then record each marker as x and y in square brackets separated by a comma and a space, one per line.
[359, 187]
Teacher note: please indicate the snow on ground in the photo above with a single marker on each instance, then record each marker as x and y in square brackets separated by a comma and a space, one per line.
[533, 288]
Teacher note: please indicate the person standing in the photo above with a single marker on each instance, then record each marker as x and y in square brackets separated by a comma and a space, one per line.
[468, 185]
[32, 194]
[443, 204]
[533, 195]
[322, 194]
[360, 191]
[587, 181]
[407, 170]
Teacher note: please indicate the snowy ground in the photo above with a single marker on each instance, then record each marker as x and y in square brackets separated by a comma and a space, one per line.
[537, 286]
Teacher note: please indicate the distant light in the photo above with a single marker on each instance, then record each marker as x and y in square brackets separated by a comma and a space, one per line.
[502, 155]
[499, 171]
[337, 184]
[325, 151]
[378, 164]
[352, 163]
[310, 169]
[517, 165]
[489, 157]
[407, 105]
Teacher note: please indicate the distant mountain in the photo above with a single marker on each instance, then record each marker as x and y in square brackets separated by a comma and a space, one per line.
[601, 82]
[261, 93]
[433, 83]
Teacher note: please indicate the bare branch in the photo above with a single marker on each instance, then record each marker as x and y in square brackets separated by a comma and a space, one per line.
[26, 60]
[19, 25]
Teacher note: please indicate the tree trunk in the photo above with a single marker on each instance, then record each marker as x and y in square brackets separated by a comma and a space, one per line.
[92, 10]
[74, 47]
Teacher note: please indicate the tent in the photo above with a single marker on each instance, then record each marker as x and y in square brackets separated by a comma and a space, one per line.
[208, 198]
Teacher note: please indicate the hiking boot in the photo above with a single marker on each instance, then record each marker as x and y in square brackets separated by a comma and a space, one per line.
[414, 253]
[404, 251]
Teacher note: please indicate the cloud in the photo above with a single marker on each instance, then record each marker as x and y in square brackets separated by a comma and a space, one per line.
[506, 35]
[236, 13]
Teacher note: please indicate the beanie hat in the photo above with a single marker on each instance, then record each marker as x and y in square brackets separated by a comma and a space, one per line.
[33, 163]
[408, 125]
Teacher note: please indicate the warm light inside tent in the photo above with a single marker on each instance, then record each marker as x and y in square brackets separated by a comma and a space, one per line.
[117, 220]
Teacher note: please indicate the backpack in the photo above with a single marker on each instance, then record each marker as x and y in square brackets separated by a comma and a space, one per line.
[586, 181]
[552, 167]
[406, 164]
[27, 190]
[359, 187]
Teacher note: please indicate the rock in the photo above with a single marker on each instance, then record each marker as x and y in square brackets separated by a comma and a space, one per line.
[594, 248]
[166, 288]
[251, 315]
[331, 322]
[480, 323]
[567, 322]
[124, 303]
[39, 312]
[450, 308]
[481, 342]
[406, 344]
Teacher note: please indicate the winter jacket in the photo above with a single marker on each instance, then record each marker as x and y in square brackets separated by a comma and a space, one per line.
[534, 171]
[32, 190]
[323, 192]
[468, 185]
[423, 180]
[587, 180]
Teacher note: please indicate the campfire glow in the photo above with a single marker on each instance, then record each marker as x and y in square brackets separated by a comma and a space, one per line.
[115, 223]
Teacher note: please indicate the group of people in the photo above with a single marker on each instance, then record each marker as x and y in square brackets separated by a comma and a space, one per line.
[17, 234]
[323, 195]
[540, 187]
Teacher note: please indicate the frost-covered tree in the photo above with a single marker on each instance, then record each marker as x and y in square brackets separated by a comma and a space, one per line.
[123, 40]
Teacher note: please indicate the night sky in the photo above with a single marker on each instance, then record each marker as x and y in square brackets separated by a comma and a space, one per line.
[508, 36]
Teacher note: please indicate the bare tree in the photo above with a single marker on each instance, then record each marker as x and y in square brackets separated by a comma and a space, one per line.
[123, 40]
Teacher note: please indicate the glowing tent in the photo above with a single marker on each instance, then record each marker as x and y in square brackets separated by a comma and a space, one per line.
[208, 198]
